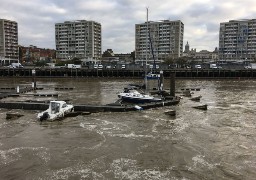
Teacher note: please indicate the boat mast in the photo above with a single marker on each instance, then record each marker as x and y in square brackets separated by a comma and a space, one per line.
[146, 81]
[152, 51]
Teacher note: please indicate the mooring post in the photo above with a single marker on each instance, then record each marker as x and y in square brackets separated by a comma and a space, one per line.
[34, 79]
[172, 84]
[161, 80]
[18, 89]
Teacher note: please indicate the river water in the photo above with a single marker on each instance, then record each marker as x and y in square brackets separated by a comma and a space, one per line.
[219, 143]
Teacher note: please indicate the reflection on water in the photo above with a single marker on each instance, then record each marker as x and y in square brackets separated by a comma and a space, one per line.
[215, 144]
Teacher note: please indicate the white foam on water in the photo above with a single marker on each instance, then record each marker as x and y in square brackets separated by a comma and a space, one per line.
[199, 162]
[133, 135]
[181, 126]
[145, 116]
[250, 163]
[243, 146]
[115, 126]
[220, 107]
[80, 170]
[92, 127]
[239, 106]
[3, 125]
[12, 155]
[128, 169]
[88, 126]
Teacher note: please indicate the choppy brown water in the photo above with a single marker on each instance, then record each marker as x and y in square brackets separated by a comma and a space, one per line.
[219, 143]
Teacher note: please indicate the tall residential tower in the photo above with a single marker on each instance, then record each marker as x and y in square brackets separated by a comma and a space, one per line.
[162, 39]
[80, 39]
[237, 40]
[9, 51]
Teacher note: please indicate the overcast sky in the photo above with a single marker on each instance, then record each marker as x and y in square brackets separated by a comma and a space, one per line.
[201, 18]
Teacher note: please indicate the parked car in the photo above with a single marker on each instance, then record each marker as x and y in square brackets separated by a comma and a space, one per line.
[172, 66]
[213, 66]
[151, 66]
[98, 66]
[198, 66]
[247, 67]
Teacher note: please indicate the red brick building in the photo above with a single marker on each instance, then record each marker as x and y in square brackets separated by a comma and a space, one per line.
[33, 54]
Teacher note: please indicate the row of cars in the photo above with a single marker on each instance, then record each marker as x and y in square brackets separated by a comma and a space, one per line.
[122, 66]
[211, 66]
[15, 65]
[100, 66]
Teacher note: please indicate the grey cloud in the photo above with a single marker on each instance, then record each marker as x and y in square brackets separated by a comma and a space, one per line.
[36, 18]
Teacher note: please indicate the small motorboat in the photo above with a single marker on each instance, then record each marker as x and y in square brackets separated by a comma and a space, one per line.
[56, 110]
[151, 75]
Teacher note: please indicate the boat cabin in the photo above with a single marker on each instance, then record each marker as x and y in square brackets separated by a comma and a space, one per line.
[55, 106]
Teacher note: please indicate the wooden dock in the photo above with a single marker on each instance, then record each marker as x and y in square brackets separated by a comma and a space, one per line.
[88, 108]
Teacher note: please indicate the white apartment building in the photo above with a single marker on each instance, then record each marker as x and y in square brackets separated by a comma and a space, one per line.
[80, 39]
[9, 51]
[237, 40]
[162, 39]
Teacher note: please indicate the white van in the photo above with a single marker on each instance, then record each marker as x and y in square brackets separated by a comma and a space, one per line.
[16, 65]
[213, 66]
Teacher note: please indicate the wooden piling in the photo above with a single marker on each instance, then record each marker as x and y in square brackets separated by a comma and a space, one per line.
[172, 84]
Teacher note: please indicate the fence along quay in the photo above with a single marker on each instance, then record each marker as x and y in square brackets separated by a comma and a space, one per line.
[129, 73]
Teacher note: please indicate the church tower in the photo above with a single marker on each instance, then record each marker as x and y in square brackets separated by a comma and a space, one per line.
[186, 48]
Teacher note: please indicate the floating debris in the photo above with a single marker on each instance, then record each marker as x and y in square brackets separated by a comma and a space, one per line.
[170, 112]
[187, 93]
[202, 107]
[138, 107]
[12, 116]
[197, 98]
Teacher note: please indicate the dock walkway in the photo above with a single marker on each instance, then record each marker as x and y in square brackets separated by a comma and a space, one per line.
[87, 108]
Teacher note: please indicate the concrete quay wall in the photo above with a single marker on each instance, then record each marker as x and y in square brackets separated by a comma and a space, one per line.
[129, 73]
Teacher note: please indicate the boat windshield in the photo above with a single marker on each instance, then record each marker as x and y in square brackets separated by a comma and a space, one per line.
[55, 107]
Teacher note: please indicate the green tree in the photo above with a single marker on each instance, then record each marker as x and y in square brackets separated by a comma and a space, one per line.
[169, 60]
[133, 55]
[182, 61]
[76, 60]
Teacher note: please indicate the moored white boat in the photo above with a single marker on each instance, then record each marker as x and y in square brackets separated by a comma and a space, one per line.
[56, 110]
[133, 96]
[151, 75]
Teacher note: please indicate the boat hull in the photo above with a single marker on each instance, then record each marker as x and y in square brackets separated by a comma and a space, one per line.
[153, 76]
